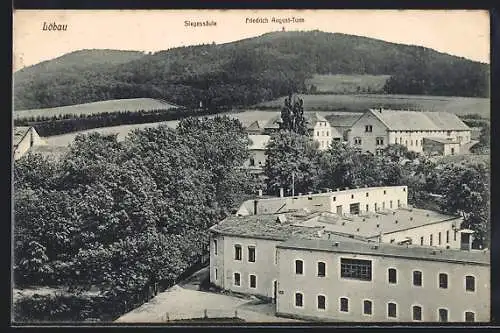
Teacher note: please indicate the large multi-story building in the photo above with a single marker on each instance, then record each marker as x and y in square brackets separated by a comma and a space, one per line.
[321, 256]
[376, 129]
[318, 127]
[347, 280]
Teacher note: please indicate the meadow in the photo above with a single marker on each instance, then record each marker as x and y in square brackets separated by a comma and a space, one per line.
[347, 84]
[114, 105]
[246, 117]
[361, 102]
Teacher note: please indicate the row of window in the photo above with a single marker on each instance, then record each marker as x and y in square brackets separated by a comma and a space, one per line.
[362, 270]
[252, 279]
[367, 307]
[250, 252]
[355, 210]
[439, 238]
[367, 194]
[379, 141]
[252, 162]
[323, 133]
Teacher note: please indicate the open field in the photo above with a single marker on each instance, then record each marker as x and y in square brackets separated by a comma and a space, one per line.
[360, 103]
[348, 84]
[114, 105]
[59, 142]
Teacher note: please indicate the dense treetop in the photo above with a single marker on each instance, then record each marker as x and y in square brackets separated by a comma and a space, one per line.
[244, 72]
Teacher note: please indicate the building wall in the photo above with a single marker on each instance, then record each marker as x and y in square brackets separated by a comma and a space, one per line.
[368, 139]
[429, 296]
[330, 201]
[259, 157]
[451, 149]
[324, 134]
[431, 146]
[264, 267]
[414, 140]
[426, 231]
[29, 140]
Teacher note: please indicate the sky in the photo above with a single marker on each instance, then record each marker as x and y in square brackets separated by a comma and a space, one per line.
[463, 33]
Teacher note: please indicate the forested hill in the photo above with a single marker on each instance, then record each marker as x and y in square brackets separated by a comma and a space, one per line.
[246, 72]
[77, 60]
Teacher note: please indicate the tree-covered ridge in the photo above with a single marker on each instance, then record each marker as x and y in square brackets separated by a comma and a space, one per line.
[254, 70]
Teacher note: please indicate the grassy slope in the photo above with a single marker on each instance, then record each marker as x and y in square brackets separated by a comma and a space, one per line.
[347, 84]
[115, 105]
[359, 103]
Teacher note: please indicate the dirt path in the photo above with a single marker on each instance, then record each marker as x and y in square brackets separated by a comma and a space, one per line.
[185, 301]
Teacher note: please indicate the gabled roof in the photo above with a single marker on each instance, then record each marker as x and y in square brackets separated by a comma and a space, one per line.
[256, 125]
[258, 142]
[18, 134]
[400, 120]
[447, 121]
[343, 120]
[311, 119]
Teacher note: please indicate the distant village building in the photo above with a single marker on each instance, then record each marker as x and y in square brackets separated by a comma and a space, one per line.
[376, 129]
[257, 160]
[354, 255]
[24, 138]
[317, 126]
[439, 146]
[343, 123]
[259, 133]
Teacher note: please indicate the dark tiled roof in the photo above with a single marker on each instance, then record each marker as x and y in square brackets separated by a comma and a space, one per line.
[343, 120]
[265, 226]
[372, 224]
[349, 246]
[18, 133]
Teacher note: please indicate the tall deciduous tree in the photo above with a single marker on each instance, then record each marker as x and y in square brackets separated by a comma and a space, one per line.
[292, 116]
[466, 192]
[291, 158]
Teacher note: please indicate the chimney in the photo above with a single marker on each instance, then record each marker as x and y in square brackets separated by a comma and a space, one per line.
[309, 193]
[336, 243]
[282, 192]
[300, 194]
[346, 188]
[260, 193]
[337, 189]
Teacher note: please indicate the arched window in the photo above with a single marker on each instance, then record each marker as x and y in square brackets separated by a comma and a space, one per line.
[470, 283]
[392, 275]
[321, 269]
[417, 312]
[299, 299]
[321, 302]
[299, 267]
